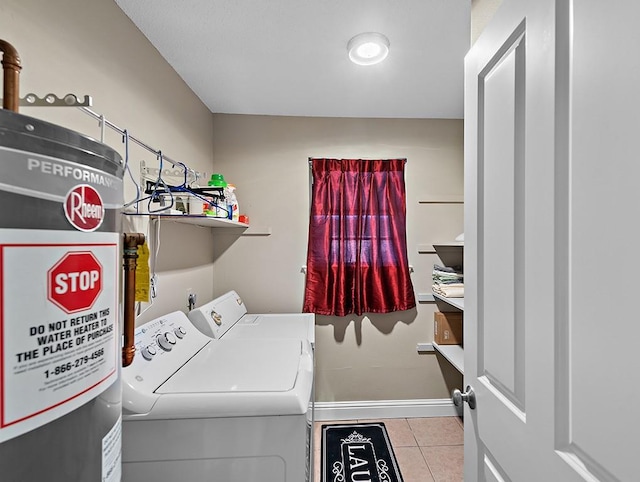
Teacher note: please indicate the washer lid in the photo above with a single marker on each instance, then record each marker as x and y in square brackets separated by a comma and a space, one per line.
[237, 366]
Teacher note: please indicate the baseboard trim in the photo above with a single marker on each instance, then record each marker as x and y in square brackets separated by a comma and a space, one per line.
[373, 409]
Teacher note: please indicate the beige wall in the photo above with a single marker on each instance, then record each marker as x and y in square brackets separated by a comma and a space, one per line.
[481, 12]
[90, 47]
[358, 358]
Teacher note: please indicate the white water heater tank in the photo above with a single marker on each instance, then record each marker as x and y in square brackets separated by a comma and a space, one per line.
[60, 198]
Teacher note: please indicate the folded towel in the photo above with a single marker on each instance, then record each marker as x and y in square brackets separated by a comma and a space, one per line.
[437, 276]
[445, 277]
[455, 290]
[446, 269]
[447, 282]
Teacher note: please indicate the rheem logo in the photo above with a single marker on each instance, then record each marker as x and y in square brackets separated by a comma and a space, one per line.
[83, 208]
[75, 281]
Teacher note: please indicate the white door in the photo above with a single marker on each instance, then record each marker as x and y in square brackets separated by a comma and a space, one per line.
[552, 236]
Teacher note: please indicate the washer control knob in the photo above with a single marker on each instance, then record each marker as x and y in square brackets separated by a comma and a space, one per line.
[148, 352]
[166, 340]
[180, 332]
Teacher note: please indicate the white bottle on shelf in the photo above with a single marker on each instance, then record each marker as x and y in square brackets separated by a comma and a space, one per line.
[232, 202]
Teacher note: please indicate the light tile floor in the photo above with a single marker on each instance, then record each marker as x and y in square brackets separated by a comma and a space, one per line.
[427, 449]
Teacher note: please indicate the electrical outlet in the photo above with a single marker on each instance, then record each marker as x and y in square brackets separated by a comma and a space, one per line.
[191, 299]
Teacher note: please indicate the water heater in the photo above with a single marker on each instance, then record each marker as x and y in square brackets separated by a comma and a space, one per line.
[61, 195]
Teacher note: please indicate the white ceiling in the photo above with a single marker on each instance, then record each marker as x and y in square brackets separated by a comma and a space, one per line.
[289, 57]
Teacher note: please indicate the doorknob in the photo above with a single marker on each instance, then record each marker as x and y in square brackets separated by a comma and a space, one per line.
[468, 396]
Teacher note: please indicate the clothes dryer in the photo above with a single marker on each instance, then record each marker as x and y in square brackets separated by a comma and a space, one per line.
[226, 319]
[226, 316]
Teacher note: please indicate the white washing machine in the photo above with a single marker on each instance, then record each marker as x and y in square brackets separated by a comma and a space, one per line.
[203, 409]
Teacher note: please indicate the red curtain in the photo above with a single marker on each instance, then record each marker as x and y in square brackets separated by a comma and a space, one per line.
[357, 255]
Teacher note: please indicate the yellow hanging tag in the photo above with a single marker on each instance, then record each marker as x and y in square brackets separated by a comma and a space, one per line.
[142, 274]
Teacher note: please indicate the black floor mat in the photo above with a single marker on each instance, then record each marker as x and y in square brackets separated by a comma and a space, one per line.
[358, 452]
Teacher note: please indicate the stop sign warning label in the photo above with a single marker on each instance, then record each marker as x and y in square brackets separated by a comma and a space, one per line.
[58, 323]
[75, 281]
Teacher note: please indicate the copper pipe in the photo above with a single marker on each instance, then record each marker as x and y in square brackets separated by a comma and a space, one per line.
[130, 255]
[11, 67]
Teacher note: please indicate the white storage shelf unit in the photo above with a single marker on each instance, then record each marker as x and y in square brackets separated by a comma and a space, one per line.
[451, 254]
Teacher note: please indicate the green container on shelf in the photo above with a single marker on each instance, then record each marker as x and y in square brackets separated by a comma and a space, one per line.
[217, 180]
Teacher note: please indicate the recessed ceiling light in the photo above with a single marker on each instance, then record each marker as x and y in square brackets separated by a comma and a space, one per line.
[368, 48]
